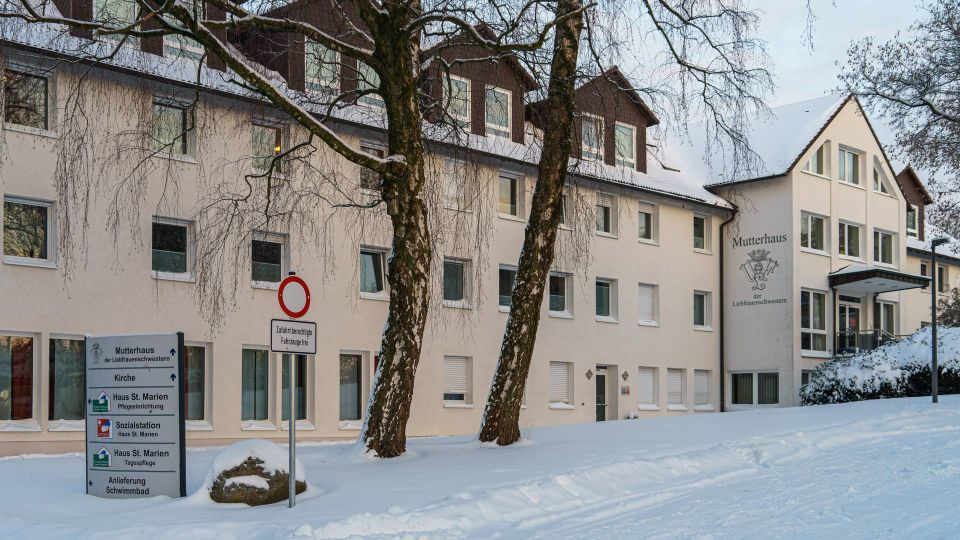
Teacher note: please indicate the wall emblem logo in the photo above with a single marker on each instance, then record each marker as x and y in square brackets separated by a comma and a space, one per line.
[97, 353]
[102, 458]
[104, 428]
[101, 404]
[758, 268]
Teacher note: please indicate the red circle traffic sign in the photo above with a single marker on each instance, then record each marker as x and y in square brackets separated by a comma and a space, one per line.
[294, 297]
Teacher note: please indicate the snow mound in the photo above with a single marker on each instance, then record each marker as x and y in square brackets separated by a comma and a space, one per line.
[897, 369]
[250, 481]
[274, 457]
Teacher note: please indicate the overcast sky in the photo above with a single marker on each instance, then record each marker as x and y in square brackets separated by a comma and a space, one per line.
[802, 73]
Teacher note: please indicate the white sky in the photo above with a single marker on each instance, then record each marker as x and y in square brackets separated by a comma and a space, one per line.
[801, 73]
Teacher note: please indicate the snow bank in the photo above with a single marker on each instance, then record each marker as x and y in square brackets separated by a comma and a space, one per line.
[275, 459]
[897, 369]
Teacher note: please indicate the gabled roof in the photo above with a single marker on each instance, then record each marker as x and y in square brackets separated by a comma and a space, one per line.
[918, 184]
[613, 77]
[527, 81]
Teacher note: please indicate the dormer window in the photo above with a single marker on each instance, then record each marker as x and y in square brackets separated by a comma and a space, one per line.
[116, 14]
[368, 81]
[911, 220]
[322, 67]
[626, 145]
[816, 163]
[497, 117]
[176, 46]
[591, 133]
[456, 100]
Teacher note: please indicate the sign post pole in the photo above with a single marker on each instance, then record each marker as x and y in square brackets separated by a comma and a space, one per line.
[292, 431]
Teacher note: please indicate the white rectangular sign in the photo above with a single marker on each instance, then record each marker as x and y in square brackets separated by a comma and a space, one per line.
[297, 337]
[135, 429]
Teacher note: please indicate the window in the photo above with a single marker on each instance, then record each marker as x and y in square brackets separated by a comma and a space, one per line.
[942, 284]
[606, 214]
[647, 388]
[267, 258]
[505, 279]
[559, 387]
[497, 102]
[559, 297]
[322, 67]
[172, 248]
[816, 163]
[849, 166]
[701, 310]
[648, 303]
[456, 380]
[675, 384]
[170, 128]
[351, 379]
[625, 139]
[458, 187]
[911, 220]
[606, 299]
[812, 232]
[255, 385]
[368, 80]
[369, 179]
[813, 321]
[16, 377]
[701, 388]
[924, 271]
[194, 382]
[591, 133]
[67, 372]
[700, 232]
[805, 377]
[456, 93]
[850, 240]
[565, 210]
[741, 391]
[27, 231]
[885, 318]
[456, 276]
[510, 195]
[267, 144]
[176, 46]
[768, 388]
[300, 388]
[647, 219]
[882, 247]
[879, 182]
[25, 99]
[371, 272]
[116, 14]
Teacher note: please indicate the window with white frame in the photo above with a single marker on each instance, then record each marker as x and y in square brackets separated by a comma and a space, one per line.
[351, 387]
[912, 212]
[606, 214]
[369, 179]
[25, 99]
[701, 388]
[172, 248]
[879, 181]
[28, 232]
[16, 377]
[805, 376]
[701, 310]
[300, 390]
[925, 271]
[648, 300]
[761, 388]
[195, 382]
[741, 388]
[647, 218]
[457, 186]
[560, 286]
[116, 14]
[625, 139]
[813, 321]
[456, 97]
[606, 299]
[559, 383]
[457, 380]
[849, 166]
[701, 240]
[812, 232]
[883, 247]
[268, 258]
[565, 209]
[885, 318]
[368, 80]
[497, 115]
[510, 201]
[506, 276]
[170, 127]
[322, 67]
[676, 381]
[266, 144]
[67, 371]
[768, 388]
[849, 240]
[372, 275]
[647, 388]
[817, 162]
[177, 46]
[591, 137]
[456, 282]
[943, 284]
[255, 385]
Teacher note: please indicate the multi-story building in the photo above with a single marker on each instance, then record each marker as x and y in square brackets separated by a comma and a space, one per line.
[676, 290]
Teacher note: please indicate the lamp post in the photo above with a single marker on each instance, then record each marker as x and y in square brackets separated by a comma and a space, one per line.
[934, 368]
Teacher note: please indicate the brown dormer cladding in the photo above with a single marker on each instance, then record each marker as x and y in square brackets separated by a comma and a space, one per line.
[915, 194]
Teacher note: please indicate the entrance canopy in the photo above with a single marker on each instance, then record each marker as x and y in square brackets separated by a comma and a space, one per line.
[861, 280]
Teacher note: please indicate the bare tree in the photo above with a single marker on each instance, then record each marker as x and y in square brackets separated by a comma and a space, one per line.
[719, 72]
[912, 83]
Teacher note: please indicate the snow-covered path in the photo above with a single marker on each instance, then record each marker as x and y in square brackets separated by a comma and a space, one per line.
[862, 470]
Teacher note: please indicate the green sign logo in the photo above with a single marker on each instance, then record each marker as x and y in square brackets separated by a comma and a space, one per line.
[102, 403]
[102, 458]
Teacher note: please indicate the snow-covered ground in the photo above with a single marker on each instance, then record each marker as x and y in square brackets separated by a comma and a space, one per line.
[887, 468]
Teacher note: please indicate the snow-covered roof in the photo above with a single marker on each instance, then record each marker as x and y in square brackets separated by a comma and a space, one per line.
[778, 139]
[950, 249]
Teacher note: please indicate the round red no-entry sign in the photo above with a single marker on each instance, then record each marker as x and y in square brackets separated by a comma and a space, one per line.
[294, 297]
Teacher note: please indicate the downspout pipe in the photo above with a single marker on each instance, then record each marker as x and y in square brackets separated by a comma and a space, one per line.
[723, 305]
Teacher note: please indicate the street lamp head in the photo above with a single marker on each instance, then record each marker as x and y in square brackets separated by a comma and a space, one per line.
[939, 241]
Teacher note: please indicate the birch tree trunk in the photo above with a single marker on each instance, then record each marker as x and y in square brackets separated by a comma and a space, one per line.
[502, 413]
